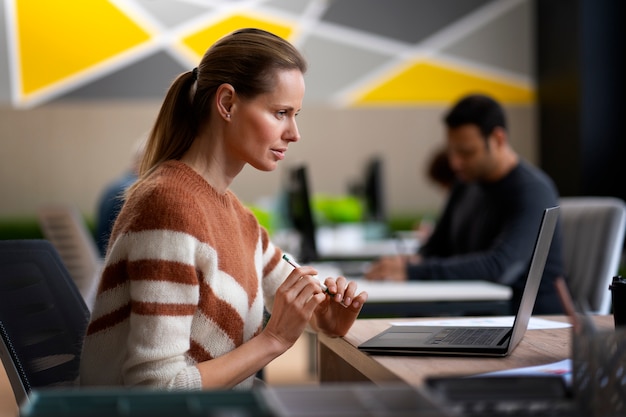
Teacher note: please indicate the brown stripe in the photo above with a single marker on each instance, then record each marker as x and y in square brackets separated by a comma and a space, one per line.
[109, 320]
[197, 352]
[237, 247]
[157, 270]
[222, 313]
[160, 309]
[273, 262]
[161, 270]
[113, 276]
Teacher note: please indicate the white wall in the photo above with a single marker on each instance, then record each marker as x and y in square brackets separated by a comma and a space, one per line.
[66, 153]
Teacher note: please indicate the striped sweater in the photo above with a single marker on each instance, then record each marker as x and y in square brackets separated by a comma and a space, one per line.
[187, 275]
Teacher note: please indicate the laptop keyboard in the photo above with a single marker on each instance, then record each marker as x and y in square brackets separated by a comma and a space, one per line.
[466, 336]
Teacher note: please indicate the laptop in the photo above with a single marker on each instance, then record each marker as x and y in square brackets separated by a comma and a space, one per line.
[472, 341]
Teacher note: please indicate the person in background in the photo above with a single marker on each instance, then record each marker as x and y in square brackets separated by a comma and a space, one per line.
[440, 173]
[189, 270]
[489, 224]
[112, 199]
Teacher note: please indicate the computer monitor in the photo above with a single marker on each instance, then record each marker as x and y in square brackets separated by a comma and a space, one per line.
[300, 213]
[373, 191]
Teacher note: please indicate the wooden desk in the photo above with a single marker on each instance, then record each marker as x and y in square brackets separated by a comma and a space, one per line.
[341, 361]
[424, 299]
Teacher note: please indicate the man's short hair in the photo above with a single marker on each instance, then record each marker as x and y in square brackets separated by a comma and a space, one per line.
[477, 109]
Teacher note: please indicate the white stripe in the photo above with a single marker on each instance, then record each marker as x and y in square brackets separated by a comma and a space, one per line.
[255, 318]
[161, 337]
[206, 330]
[274, 278]
[164, 245]
[467, 24]
[164, 292]
[267, 255]
[111, 300]
[160, 344]
[226, 288]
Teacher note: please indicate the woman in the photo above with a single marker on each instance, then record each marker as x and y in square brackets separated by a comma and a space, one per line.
[188, 269]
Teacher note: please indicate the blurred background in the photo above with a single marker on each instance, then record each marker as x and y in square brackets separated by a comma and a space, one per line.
[81, 82]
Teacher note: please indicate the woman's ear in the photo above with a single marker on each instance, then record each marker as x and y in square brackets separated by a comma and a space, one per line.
[225, 97]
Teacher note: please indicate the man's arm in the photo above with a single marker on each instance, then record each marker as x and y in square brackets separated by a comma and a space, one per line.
[505, 259]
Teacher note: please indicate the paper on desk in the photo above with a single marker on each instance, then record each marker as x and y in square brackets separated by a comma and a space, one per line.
[561, 368]
[535, 323]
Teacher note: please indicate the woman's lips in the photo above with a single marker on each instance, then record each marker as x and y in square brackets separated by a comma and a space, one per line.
[280, 153]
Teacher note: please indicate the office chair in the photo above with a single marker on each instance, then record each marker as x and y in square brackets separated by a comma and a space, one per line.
[66, 229]
[593, 239]
[43, 318]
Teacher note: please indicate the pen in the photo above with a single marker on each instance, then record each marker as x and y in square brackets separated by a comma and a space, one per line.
[296, 265]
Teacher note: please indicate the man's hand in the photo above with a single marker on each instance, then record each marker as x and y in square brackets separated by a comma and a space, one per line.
[390, 268]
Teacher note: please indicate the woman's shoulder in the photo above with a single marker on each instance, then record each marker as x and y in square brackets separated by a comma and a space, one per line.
[171, 181]
[176, 192]
[165, 199]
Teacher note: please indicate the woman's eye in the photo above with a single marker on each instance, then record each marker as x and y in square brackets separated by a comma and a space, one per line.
[282, 113]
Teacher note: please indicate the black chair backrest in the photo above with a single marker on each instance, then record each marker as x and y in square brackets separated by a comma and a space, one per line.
[43, 317]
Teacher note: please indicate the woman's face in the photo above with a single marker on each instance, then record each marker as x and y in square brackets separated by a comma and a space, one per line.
[263, 127]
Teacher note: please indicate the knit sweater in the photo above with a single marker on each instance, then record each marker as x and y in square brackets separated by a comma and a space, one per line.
[187, 275]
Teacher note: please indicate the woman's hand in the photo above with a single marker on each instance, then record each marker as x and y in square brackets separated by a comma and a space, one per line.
[340, 308]
[295, 301]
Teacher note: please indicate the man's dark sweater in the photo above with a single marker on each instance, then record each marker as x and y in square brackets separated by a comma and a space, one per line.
[487, 232]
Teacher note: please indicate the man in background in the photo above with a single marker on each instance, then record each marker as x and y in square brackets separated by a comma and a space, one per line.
[490, 221]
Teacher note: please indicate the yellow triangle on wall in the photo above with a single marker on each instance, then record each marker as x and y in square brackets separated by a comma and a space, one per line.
[57, 39]
[433, 83]
[201, 40]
